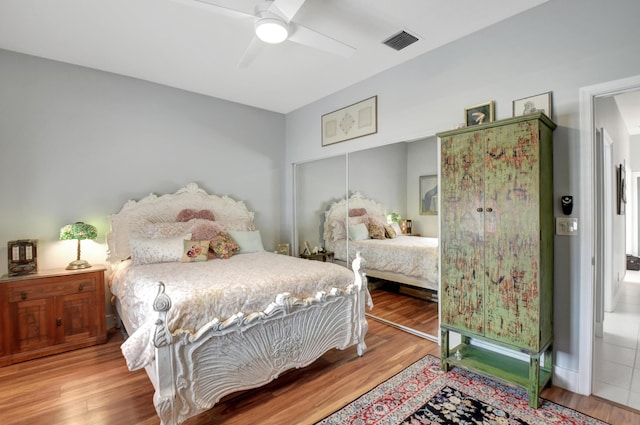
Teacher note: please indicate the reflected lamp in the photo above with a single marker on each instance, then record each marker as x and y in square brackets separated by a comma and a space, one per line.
[78, 231]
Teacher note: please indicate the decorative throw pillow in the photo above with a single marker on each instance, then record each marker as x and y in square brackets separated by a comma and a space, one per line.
[189, 214]
[357, 212]
[165, 230]
[358, 232]
[390, 233]
[159, 250]
[247, 241]
[204, 230]
[223, 245]
[376, 231]
[195, 250]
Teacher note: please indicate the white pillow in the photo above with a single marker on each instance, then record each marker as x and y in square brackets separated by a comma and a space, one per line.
[247, 241]
[358, 232]
[396, 227]
[157, 250]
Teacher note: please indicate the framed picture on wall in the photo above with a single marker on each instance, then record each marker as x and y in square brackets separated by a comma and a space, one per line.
[621, 189]
[429, 195]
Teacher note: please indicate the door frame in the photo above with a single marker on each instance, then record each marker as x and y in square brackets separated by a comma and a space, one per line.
[589, 218]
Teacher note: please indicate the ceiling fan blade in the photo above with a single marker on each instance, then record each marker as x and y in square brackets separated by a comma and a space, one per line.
[308, 37]
[212, 7]
[287, 8]
[255, 46]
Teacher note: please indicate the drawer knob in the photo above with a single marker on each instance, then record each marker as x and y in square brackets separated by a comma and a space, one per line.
[479, 209]
[81, 286]
[23, 295]
[59, 321]
[489, 209]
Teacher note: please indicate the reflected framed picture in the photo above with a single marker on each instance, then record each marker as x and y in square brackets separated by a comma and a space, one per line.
[479, 114]
[528, 105]
[429, 195]
[284, 249]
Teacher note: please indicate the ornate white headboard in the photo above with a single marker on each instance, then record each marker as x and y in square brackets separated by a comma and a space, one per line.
[164, 209]
[340, 209]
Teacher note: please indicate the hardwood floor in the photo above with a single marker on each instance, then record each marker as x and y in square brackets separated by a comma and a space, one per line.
[93, 386]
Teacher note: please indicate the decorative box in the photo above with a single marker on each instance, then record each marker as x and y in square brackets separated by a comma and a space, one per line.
[23, 256]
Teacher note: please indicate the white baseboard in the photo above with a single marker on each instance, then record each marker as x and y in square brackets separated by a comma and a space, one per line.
[566, 379]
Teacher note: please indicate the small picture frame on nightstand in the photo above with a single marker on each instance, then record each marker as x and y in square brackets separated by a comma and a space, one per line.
[22, 257]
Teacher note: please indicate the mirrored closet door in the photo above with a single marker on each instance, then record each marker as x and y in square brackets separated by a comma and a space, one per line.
[386, 178]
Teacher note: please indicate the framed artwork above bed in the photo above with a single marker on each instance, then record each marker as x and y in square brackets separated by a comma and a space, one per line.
[429, 195]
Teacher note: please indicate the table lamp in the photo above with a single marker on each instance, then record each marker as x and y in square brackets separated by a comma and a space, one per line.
[78, 231]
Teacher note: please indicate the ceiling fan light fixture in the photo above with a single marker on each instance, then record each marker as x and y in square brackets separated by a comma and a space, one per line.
[271, 30]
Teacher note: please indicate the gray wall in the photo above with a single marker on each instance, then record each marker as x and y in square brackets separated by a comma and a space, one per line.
[78, 143]
[560, 46]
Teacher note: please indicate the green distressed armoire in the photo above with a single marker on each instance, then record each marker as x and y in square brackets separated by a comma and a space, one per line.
[496, 243]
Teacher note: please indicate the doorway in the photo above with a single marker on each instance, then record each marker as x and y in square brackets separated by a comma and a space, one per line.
[610, 324]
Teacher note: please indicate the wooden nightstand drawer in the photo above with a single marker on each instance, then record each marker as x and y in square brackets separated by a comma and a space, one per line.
[23, 292]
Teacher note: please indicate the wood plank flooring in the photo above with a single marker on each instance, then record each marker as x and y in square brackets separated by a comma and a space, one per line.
[93, 386]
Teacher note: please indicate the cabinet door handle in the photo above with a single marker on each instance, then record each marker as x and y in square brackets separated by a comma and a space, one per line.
[489, 209]
[23, 295]
[59, 321]
[479, 209]
[81, 286]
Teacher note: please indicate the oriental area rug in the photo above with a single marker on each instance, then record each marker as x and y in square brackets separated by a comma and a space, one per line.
[424, 394]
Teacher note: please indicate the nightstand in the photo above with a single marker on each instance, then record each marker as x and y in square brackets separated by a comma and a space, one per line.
[320, 256]
[50, 312]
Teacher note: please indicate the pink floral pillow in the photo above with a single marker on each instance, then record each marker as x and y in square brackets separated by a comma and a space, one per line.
[223, 245]
[189, 214]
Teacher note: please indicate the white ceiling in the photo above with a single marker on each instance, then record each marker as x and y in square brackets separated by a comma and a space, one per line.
[629, 106]
[190, 46]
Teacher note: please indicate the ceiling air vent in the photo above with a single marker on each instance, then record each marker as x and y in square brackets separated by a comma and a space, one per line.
[400, 40]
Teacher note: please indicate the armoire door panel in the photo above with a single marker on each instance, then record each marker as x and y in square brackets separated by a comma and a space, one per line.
[462, 191]
[512, 235]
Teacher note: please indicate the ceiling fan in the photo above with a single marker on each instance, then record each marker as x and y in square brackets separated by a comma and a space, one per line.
[273, 23]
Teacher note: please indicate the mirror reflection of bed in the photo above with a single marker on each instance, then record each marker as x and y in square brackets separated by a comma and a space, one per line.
[389, 176]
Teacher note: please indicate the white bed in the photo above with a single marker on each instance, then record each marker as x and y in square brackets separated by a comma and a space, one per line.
[205, 329]
[411, 260]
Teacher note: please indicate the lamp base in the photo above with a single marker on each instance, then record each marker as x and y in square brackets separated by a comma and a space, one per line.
[78, 264]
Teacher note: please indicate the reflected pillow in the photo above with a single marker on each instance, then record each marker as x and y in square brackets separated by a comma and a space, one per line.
[338, 231]
[390, 232]
[376, 231]
[247, 241]
[358, 232]
[357, 212]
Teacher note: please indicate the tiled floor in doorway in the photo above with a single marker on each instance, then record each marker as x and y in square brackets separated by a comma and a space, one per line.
[616, 371]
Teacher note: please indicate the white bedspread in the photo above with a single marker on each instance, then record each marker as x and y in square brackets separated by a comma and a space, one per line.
[216, 289]
[409, 255]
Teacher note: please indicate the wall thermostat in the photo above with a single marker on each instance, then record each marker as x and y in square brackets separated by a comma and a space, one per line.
[567, 204]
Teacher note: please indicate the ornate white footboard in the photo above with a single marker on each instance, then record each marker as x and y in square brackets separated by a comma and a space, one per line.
[191, 373]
